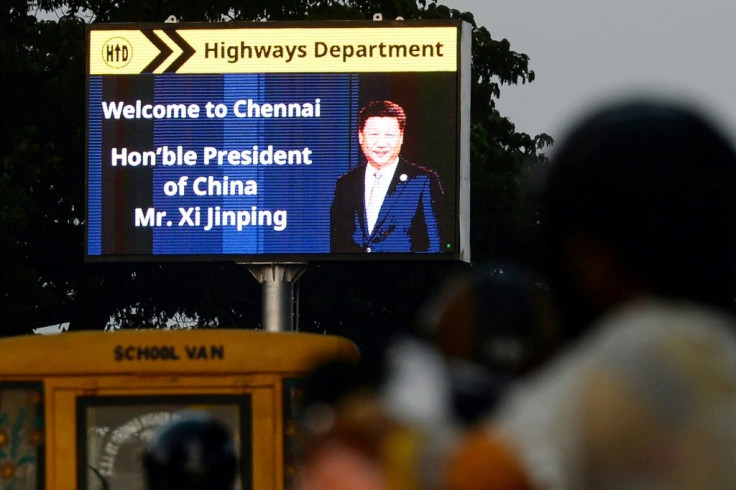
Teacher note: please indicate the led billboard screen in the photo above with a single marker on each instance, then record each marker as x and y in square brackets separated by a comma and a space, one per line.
[258, 141]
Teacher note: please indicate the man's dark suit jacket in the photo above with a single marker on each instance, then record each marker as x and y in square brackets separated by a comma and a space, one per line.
[407, 221]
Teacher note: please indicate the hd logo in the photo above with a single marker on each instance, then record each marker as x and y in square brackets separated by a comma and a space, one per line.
[117, 52]
[156, 51]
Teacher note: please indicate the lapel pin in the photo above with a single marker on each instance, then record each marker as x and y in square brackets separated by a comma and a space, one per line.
[403, 177]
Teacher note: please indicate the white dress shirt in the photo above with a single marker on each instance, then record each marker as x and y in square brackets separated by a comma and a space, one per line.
[374, 196]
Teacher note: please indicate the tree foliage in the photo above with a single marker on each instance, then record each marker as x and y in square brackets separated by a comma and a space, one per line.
[42, 275]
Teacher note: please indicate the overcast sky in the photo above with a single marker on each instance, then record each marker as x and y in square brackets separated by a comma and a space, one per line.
[584, 51]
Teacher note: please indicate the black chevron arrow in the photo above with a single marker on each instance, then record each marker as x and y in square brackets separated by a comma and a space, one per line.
[165, 51]
[187, 51]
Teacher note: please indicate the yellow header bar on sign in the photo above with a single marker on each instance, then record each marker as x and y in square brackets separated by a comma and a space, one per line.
[273, 50]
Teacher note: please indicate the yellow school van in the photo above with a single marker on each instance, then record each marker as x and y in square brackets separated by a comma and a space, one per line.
[77, 409]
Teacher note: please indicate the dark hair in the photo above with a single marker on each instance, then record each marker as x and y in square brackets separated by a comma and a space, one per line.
[381, 108]
[656, 182]
[194, 453]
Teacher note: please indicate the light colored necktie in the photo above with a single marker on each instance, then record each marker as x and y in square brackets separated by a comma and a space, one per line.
[371, 205]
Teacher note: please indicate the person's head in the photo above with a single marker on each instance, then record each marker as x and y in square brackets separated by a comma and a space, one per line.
[639, 200]
[196, 452]
[492, 326]
[381, 132]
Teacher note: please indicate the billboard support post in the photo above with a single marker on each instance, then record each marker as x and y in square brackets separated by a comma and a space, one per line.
[277, 290]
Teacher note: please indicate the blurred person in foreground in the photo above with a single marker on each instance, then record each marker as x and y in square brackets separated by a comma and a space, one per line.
[481, 331]
[196, 452]
[638, 214]
[476, 335]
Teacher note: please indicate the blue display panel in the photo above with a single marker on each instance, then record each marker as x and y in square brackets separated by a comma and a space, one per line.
[246, 166]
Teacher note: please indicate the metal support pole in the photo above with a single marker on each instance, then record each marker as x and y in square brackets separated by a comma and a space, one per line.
[277, 288]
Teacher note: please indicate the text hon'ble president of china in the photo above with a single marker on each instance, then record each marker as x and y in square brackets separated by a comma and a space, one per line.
[387, 204]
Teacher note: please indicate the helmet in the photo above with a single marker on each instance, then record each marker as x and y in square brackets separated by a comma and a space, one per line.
[194, 453]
